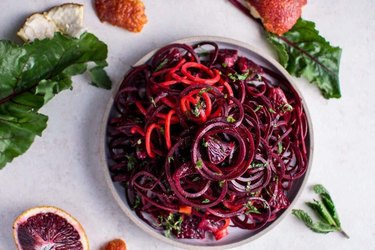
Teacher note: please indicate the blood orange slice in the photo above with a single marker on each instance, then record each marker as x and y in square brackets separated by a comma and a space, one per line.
[45, 228]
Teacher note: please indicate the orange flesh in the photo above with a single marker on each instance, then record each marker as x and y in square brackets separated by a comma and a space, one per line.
[278, 16]
[127, 14]
[116, 244]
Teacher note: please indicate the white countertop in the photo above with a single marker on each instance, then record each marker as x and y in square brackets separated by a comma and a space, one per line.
[62, 167]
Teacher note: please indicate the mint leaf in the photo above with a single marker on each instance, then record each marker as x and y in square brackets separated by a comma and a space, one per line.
[322, 212]
[32, 74]
[326, 211]
[319, 189]
[328, 202]
[319, 227]
[303, 52]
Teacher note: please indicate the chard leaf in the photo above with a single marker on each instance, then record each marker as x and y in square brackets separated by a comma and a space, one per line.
[99, 77]
[303, 52]
[318, 227]
[32, 74]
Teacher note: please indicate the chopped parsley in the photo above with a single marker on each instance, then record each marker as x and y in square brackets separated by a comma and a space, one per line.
[230, 119]
[251, 209]
[279, 147]
[240, 77]
[161, 65]
[196, 111]
[204, 90]
[272, 111]
[137, 202]
[258, 108]
[197, 108]
[171, 223]
[199, 164]
[205, 201]
[257, 165]
[132, 161]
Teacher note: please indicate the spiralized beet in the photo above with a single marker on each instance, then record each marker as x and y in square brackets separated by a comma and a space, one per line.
[204, 139]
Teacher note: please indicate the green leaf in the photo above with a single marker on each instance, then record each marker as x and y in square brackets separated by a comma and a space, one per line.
[319, 227]
[49, 88]
[31, 75]
[75, 69]
[18, 127]
[320, 189]
[99, 77]
[322, 212]
[199, 164]
[303, 52]
[328, 202]
[161, 65]
[230, 119]
[206, 201]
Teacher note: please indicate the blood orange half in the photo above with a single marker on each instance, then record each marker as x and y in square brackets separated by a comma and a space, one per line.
[46, 227]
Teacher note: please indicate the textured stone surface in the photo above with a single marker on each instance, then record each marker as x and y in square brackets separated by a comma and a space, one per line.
[62, 168]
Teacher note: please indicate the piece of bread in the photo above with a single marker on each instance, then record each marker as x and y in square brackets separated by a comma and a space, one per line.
[278, 16]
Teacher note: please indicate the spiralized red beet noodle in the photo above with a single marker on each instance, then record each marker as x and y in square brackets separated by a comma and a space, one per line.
[201, 138]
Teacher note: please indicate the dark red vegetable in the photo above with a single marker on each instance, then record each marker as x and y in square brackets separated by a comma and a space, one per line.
[204, 140]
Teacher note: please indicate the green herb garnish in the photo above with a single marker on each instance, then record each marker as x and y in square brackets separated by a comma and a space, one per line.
[137, 202]
[258, 108]
[325, 210]
[199, 164]
[251, 209]
[279, 148]
[205, 201]
[171, 223]
[161, 65]
[239, 77]
[258, 165]
[132, 161]
[272, 111]
[230, 119]
[204, 90]
[196, 111]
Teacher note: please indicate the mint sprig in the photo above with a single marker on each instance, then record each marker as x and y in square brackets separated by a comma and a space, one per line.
[326, 211]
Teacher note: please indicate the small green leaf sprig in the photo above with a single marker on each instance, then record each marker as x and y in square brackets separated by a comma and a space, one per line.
[326, 211]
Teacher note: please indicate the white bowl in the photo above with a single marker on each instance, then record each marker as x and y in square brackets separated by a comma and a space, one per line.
[236, 236]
